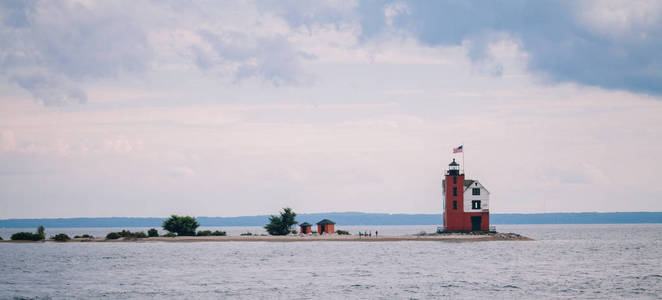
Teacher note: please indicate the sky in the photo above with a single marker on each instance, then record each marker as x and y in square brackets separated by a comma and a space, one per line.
[231, 108]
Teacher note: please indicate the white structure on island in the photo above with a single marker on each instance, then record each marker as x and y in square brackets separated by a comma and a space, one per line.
[476, 197]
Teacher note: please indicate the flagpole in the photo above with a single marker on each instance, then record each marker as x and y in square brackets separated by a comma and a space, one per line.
[463, 166]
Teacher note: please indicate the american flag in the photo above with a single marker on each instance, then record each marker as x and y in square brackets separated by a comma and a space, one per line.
[458, 149]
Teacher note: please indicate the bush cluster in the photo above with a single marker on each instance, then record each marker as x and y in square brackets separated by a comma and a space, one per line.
[247, 233]
[170, 234]
[61, 237]
[29, 236]
[152, 232]
[210, 233]
[25, 236]
[84, 236]
[342, 232]
[126, 234]
[113, 236]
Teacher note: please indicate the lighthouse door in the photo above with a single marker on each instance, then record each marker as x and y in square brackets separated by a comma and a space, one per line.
[475, 223]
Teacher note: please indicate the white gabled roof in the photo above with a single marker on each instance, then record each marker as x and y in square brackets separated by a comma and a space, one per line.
[471, 182]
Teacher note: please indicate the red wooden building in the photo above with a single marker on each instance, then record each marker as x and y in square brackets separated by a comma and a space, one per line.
[465, 202]
[305, 227]
[325, 226]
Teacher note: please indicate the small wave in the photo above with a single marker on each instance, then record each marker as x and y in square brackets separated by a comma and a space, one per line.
[361, 286]
[508, 286]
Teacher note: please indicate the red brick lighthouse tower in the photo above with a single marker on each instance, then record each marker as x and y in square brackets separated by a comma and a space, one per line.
[464, 213]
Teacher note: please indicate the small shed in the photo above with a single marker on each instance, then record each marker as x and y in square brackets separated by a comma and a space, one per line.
[325, 226]
[305, 227]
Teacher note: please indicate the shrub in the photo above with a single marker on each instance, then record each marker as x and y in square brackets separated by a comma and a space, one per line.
[152, 232]
[113, 236]
[281, 225]
[342, 232]
[0, 238]
[247, 233]
[28, 236]
[61, 237]
[137, 235]
[170, 234]
[25, 236]
[210, 233]
[294, 231]
[132, 235]
[182, 225]
[84, 236]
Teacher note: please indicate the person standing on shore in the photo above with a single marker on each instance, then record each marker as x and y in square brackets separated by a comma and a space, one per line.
[376, 233]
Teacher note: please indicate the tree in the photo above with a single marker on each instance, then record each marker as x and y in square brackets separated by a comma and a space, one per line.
[281, 225]
[153, 232]
[182, 225]
[41, 232]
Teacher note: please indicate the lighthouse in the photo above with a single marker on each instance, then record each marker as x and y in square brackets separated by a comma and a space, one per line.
[466, 202]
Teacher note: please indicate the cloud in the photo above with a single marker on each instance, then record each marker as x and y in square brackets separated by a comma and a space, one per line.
[309, 13]
[57, 50]
[7, 140]
[272, 58]
[50, 88]
[580, 42]
[50, 47]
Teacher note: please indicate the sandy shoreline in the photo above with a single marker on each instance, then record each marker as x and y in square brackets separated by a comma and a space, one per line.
[450, 237]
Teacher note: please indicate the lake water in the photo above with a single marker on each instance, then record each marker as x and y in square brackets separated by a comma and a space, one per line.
[565, 261]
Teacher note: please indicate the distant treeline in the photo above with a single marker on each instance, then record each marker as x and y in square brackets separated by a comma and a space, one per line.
[349, 218]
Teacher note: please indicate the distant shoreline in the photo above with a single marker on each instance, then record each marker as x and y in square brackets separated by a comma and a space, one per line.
[346, 218]
[446, 237]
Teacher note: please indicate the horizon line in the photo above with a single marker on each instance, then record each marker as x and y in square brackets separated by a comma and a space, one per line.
[321, 213]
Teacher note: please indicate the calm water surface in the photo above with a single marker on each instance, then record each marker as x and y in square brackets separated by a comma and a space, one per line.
[565, 261]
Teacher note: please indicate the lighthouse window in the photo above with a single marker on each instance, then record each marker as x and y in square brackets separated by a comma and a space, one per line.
[454, 204]
[475, 204]
[454, 180]
[454, 191]
[475, 191]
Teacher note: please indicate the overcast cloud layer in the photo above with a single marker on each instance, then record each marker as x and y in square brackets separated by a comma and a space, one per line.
[239, 108]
